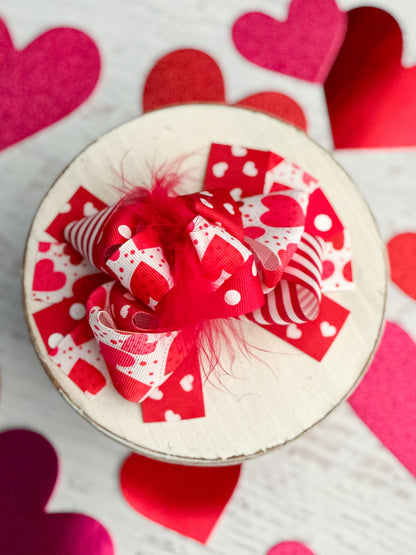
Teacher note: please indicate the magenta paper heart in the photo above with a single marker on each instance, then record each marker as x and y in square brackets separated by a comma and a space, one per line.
[290, 548]
[28, 472]
[304, 46]
[44, 82]
[385, 399]
[187, 499]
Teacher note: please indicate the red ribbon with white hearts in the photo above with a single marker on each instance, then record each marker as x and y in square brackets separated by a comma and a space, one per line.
[174, 262]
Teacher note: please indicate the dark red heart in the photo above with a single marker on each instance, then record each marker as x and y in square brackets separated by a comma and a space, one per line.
[45, 278]
[28, 472]
[44, 82]
[187, 499]
[190, 75]
[370, 95]
[402, 254]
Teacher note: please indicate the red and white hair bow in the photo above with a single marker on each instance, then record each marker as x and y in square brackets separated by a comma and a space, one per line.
[260, 242]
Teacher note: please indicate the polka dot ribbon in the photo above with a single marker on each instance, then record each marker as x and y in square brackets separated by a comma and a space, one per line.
[260, 242]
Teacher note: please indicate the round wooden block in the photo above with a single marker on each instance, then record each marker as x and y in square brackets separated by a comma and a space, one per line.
[269, 398]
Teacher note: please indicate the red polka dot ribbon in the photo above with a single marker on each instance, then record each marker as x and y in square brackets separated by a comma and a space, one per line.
[260, 242]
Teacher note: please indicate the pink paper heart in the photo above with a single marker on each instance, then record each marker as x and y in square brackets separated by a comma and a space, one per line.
[290, 548]
[187, 499]
[28, 471]
[385, 399]
[304, 46]
[44, 82]
[402, 254]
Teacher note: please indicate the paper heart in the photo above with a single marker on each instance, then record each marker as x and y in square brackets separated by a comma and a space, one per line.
[385, 399]
[290, 548]
[44, 82]
[370, 95]
[190, 75]
[45, 278]
[187, 499]
[402, 255]
[28, 472]
[304, 46]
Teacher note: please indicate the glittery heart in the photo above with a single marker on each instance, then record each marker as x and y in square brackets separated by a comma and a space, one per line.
[385, 399]
[192, 76]
[44, 82]
[304, 46]
[290, 548]
[28, 472]
[187, 499]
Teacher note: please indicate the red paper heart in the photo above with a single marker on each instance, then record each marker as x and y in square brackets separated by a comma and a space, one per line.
[45, 279]
[290, 548]
[402, 254]
[370, 95]
[304, 46]
[385, 399]
[44, 82]
[187, 499]
[190, 75]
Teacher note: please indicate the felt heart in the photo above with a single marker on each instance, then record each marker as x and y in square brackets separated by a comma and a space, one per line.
[370, 95]
[28, 472]
[44, 82]
[385, 399]
[304, 46]
[192, 76]
[402, 255]
[187, 499]
[45, 278]
[290, 548]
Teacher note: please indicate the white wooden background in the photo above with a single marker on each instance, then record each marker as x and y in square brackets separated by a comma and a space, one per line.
[337, 488]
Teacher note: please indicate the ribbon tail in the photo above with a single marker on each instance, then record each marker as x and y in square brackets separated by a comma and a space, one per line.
[312, 338]
[180, 397]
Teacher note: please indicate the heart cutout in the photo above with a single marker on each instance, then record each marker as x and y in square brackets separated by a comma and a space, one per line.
[402, 254]
[303, 46]
[187, 499]
[190, 75]
[290, 548]
[385, 399]
[28, 472]
[44, 82]
[370, 95]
